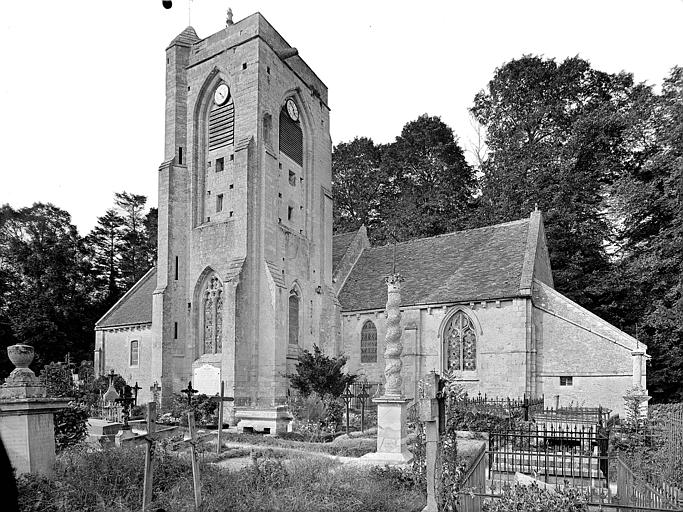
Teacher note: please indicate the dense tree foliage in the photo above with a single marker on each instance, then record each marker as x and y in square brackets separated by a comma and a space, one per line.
[650, 272]
[557, 136]
[419, 185]
[54, 284]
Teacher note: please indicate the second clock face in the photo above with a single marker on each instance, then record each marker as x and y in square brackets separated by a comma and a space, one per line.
[222, 94]
[292, 110]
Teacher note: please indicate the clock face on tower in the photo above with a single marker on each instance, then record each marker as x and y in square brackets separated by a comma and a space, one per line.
[292, 110]
[221, 95]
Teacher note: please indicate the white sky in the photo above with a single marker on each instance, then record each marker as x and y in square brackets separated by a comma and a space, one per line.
[82, 87]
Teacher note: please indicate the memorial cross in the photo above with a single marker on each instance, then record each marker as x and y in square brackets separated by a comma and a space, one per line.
[431, 412]
[189, 392]
[135, 390]
[154, 389]
[220, 399]
[363, 396]
[150, 437]
[347, 396]
[195, 463]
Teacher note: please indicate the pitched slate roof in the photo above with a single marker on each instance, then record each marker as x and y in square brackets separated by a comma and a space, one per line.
[477, 264]
[186, 38]
[340, 243]
[135, 307]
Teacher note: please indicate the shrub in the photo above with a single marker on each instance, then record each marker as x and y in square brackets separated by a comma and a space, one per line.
[318, 373]
[71, 425]
[523, 498]
[202, 406]
[57, 379]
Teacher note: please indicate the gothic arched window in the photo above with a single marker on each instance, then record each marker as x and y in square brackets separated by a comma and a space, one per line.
[368, 343]
[213, 316]
[294, 317]
[460, 341]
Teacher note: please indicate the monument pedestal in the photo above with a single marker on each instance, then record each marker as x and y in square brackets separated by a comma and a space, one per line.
[271, 420]
[26, 417]
[392, 433]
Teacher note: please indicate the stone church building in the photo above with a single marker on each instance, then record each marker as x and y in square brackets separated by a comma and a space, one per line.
[249, 271]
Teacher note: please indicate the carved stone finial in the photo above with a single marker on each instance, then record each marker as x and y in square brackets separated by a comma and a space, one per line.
[228, 19]
[22, 382]
[393, 345]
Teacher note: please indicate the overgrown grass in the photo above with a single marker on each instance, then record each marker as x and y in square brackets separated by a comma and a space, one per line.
[112, 481]
[348, 448]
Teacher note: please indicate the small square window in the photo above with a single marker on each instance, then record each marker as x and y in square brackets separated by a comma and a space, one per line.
[231, 213]
[232, 157]
[279, 165]
[244, 65]
[219, 203]
[566, 381]
[292, 178]
[220, 164]
[232, 185]
[268, 69]
[290, 212]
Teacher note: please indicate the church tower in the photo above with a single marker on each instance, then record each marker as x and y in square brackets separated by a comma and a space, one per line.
[244, 273]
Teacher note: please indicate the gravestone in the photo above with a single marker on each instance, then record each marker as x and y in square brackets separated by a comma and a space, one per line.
[207, 379]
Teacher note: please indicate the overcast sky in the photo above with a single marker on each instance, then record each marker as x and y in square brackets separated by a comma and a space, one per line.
[82, 88]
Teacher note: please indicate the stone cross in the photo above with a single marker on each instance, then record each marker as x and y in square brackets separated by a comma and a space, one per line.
[431, 407]
[221, 399]
[393, 346]
[196, 479]
[150, 437]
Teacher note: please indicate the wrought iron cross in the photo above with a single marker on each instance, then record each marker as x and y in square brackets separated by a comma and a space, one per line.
[189, 392]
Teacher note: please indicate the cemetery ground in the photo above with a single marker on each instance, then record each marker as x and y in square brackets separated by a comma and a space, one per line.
[252, 472]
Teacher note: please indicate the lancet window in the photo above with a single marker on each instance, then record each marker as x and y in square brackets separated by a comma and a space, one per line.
[294, 317]
[460, 340]
[213, 316]
[368, 343]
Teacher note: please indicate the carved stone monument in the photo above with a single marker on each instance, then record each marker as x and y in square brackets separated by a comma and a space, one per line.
[207, 379]
[392, 406]
[26, 416]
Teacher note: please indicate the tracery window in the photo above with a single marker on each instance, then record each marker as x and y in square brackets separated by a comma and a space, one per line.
[293, 317]
[213, 316]
[368, 343]
[460, 340]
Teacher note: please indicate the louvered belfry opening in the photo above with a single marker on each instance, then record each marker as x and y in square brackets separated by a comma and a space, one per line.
[222, 125]
[291, 138]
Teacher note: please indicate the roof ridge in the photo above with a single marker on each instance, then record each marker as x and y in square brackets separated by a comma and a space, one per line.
[451, 233]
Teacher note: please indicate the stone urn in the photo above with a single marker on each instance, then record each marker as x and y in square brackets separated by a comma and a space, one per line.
[21, 355]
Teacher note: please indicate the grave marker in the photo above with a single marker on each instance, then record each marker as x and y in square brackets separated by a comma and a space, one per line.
[220, 399]
[195, 464]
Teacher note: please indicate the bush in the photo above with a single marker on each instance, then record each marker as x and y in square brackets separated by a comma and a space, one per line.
[71, 425]
[202, 406]
[58, 380]
[531, 498]
[317, 373]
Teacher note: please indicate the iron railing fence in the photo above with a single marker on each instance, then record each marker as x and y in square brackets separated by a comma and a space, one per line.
[372, 389]
[504, 406]
[553, 454]
[635, 491]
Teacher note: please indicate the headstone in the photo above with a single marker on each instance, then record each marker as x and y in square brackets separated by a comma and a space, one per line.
[207, 379]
